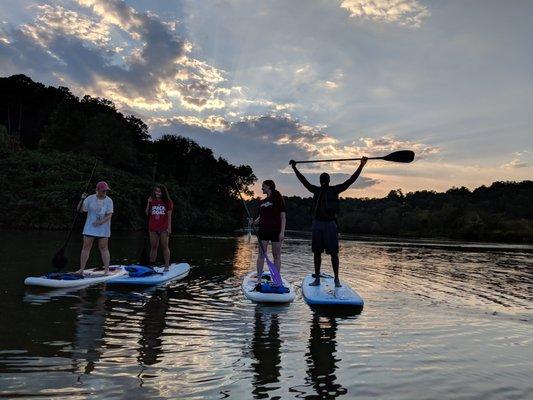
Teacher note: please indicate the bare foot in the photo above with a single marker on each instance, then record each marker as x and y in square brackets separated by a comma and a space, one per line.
[316, 282]
[166, 269]
[337, 283]
[80, 271]
[106, 271]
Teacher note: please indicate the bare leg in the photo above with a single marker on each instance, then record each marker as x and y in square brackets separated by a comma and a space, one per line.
[318, 262]
[261, 258]
[165, 249]
[85, 252]
[154, 244]
[104, 252]
[335, 265]
[276, 254]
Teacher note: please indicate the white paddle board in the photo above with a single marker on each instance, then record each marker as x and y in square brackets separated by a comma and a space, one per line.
[90, 277]
[248, 288]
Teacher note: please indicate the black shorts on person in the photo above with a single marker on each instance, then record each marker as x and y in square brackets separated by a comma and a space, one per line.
[273, 236]
[325, 237]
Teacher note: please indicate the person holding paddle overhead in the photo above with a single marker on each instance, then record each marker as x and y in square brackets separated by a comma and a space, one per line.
[99, 209]
[325, 206]
[271, 222]
[159, 211]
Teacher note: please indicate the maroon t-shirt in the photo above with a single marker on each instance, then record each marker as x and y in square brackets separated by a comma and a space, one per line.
[270, 210]
[159, 209]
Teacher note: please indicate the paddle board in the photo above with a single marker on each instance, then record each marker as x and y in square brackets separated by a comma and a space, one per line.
[326, 294]
[248, 288]
[175, 273]
[90, 277]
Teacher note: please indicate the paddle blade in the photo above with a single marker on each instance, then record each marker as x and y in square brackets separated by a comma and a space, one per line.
[403, 156]
[274, 273]
[59, 261]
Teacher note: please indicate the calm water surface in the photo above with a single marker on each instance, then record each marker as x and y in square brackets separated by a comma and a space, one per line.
[440, 321]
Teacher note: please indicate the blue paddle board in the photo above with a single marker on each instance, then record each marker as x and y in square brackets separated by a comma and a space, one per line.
[175, 273]
[326, 294]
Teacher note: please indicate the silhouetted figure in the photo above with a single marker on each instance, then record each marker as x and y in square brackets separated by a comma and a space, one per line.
[324, 210]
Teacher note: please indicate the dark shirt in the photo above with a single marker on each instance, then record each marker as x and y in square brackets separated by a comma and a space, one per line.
[321, 213]
[270, 210]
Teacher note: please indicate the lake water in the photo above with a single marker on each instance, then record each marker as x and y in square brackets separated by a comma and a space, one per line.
[441, 321]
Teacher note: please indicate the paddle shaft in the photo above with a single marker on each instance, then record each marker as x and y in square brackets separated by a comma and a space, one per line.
[144, 259]
[339, 159]
[400, 156]
[250, 217]
[80, 205]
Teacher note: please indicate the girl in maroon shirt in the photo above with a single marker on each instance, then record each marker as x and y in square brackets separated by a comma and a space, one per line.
[271, 222]
[159, 212]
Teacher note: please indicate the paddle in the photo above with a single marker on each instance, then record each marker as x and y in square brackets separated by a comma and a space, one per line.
[402, 156]
[60, 261]
[144, 260]
[274, 272]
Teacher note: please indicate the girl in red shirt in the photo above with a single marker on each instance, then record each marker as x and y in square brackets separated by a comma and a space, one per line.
[159, 212]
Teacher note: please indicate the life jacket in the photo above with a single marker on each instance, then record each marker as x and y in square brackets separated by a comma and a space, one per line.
[331, 200]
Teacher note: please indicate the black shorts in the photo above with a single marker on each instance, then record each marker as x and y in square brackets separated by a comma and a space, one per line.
[325, 237]
[273, 236]
[96, 237]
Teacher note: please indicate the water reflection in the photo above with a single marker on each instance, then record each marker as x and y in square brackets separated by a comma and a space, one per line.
[266, 350]
[152, 328]
[202, 339]
[322, 358]
[89, 332]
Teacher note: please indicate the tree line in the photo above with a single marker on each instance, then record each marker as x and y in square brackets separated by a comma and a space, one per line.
[499, 212]
[49, 140]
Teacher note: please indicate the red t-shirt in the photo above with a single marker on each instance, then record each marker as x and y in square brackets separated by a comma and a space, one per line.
[270, 210]
[158, 220]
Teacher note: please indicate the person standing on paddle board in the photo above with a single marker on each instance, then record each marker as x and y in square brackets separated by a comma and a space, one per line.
[271, 222]
[324, 211]
[99, 209]
[159, 211]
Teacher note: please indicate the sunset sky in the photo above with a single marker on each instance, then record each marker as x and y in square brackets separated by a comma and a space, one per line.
[261, 82]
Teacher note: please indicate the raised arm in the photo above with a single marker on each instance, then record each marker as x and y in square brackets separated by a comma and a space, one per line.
[301, 178]
[343, 186]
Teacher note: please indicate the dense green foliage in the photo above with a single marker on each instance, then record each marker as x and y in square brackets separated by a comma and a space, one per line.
[500, 212]
[49, 140]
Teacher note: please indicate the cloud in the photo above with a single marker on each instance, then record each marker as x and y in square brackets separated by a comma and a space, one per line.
[518, 161]
[57, 20]
[109, 49]
[408, 13]
[269, 141]
[212, 122]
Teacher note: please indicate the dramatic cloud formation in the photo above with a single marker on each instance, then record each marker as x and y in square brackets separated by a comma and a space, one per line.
[403, 12]
[111, 50]
[265, 82]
